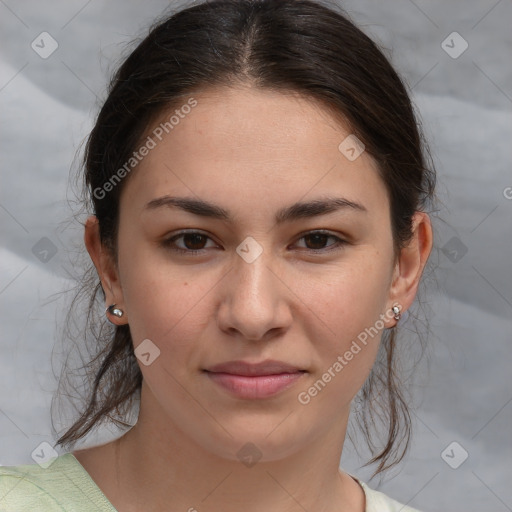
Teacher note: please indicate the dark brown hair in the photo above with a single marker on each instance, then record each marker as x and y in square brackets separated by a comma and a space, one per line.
[289, 45]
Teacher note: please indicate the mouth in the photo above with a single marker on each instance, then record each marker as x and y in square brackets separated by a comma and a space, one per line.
[254, 381]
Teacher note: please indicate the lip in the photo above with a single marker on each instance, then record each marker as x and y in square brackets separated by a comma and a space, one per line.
[254, 381]
[268, 367]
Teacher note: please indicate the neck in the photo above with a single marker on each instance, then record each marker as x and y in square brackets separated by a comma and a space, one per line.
[158, 465]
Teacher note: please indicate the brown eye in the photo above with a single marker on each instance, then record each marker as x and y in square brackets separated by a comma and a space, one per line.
[194, 241]
[316, 241]
[191, 242]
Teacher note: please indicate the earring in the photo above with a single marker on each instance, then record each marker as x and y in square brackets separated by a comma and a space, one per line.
[113, 310]
[396, 312]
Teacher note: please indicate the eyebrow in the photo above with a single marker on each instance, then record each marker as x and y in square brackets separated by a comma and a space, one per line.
[289, 213]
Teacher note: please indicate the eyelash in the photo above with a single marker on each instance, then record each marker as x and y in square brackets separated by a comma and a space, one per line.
[169, 243]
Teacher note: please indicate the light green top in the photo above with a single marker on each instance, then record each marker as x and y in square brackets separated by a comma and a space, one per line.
[66, 486]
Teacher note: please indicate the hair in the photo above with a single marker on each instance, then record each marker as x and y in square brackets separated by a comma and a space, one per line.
[293, 46]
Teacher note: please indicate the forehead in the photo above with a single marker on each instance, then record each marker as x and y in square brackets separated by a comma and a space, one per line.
[244, 142]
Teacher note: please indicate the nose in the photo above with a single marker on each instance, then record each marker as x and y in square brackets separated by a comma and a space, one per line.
[255, 301]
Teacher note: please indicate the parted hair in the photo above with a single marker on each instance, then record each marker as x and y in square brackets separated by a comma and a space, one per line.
[304, 46]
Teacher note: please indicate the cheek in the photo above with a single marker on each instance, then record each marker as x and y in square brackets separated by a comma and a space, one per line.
[346, 316]
[163, 301]
[352, 296]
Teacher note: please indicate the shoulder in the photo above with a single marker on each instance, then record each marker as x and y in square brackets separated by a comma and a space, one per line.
[378, 502]
[29, 487]
[62, 485]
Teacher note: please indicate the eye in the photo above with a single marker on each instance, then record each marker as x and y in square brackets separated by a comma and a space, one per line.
[193, 242]
[318, 240]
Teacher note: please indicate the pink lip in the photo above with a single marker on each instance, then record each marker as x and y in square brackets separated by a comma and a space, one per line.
[252, 381]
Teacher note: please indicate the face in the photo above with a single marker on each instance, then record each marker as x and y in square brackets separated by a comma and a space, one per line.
[264, 272]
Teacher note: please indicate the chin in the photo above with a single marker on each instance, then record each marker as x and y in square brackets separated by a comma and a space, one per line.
[269, 439]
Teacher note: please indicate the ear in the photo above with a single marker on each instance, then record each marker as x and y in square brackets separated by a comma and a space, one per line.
[106, 268]
[410, 263]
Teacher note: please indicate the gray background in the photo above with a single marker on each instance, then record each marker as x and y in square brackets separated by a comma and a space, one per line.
[465, 395]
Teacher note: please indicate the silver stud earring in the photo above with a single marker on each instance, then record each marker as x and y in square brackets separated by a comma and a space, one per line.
[114, 310]
[396, 312]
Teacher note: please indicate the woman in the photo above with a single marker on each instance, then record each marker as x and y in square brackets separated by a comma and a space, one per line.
[259, 190]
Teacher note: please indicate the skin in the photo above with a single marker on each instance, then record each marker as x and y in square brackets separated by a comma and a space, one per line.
[252, 152]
